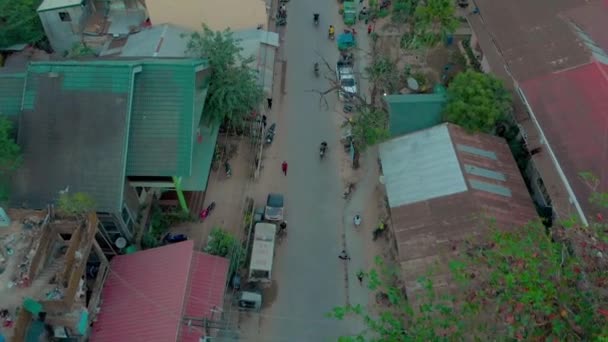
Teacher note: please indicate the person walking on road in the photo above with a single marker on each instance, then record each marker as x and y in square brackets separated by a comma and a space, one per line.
[343, 255]
[360, 276]
[269, 101]
[284, 167]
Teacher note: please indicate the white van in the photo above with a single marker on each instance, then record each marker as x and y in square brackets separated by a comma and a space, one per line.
[262, 252]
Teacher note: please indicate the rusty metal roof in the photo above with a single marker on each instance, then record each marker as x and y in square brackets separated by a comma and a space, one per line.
[534, 37]
[495, 195]
[571, 108]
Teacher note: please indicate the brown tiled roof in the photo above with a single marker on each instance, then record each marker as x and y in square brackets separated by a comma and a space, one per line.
[533, 36]
[425, 230]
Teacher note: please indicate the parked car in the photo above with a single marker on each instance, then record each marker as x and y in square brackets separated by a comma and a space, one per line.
[274, 207]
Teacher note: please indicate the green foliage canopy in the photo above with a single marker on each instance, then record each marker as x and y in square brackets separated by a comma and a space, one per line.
[477, 101]
[520, 285]
[369, 127]
[76, 204]
[431, 23]
[233, 90]
[19, 22]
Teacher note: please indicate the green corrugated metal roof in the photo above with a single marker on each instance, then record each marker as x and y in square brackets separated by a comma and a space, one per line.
[413, 112]
[11, 93]
[100, 170]
[164, 119]
[202, 159]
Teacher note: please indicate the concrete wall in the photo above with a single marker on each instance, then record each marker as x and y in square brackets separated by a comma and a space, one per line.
[63, 34]
[217, 14]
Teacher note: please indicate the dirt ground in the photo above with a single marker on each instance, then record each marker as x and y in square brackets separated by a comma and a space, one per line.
[431, 63]
[228, 193]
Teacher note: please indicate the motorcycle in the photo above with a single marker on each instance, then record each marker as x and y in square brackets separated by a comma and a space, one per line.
[316, 68]
[270, 133]
[322, 150]
[357, 220]
[349, 190]
[228, 169]
[207, 211]
[379, 230]
[316, 19]
[332, 35]
[173, 238]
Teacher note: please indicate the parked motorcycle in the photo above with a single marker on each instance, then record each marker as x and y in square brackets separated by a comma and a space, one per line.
[207, 211]
[349, 190]
[173, 238]
[270, 133]
[228, 169]
[379, 230]
[315, 19]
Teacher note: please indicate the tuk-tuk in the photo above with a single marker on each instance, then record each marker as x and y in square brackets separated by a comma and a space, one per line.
[346, 41]
[349, 13]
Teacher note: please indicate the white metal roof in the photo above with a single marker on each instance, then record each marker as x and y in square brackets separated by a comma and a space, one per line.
[262, 251]
[421, 166]
[47, 5]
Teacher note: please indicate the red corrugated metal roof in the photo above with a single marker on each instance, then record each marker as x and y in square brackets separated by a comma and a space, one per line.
[572, 109]
[205, 291]
[147, 293]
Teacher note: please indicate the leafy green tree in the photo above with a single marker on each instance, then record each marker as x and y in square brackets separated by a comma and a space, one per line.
[76, 204]
[477, 101]
[369, 127]
[234, 90]
[19, 22]
[432, 22]
[383, 73]
[224, 244]
[520, 285]
[403, 10]
[10, 156]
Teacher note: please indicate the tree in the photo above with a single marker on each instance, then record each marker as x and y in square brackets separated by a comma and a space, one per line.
[76, 204]
[526, 285]
[477, 101]
[369, 127]
[233, 90]
[383, 73]
[10, 156]
[19, 22]
[224, 244]
[432, 22]
[403, 10]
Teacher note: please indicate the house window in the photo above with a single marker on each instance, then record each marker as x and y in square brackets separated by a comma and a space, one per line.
[64, 16]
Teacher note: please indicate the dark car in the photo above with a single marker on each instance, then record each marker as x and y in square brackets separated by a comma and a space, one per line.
[274, 207]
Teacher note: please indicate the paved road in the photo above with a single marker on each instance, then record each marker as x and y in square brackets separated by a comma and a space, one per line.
[310, 279]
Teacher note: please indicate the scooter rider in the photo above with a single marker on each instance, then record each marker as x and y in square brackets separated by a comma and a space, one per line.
[323, 147]
[332, 31]
[315, 17]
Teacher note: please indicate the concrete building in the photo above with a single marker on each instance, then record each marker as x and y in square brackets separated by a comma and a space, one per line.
[218, 15]
[68, 22]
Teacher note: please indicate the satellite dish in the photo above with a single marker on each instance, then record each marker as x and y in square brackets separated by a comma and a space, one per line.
[120, 242]
[412, 83]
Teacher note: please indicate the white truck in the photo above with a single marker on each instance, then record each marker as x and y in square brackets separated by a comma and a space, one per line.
[346, 77]
[262, 252]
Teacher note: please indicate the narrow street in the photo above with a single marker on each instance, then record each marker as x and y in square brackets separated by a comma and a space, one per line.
[309, 278]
